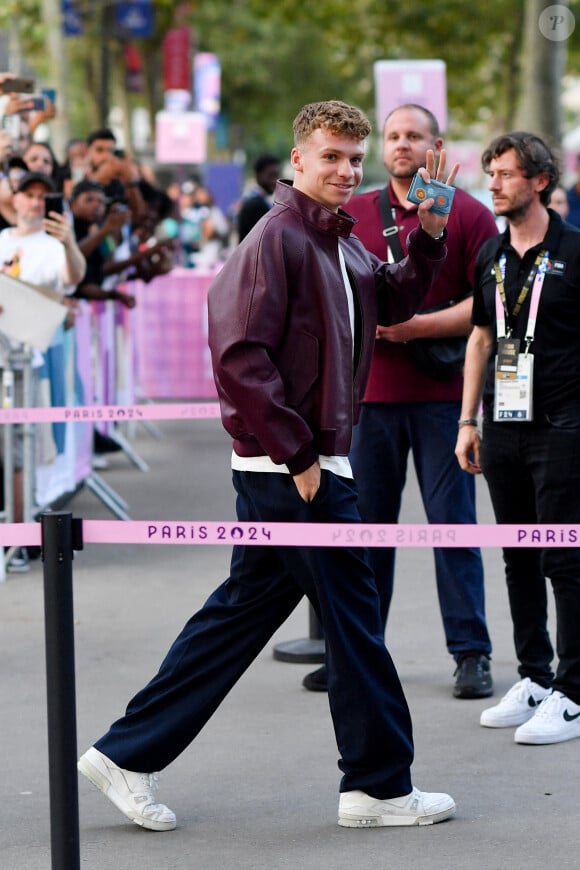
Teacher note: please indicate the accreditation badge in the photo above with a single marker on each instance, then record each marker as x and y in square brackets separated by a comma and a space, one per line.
[513, 389]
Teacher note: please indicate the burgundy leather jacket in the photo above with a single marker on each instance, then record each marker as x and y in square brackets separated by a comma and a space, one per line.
[288, 377]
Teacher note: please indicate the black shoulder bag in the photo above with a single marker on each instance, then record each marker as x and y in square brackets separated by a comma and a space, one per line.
[440, 358]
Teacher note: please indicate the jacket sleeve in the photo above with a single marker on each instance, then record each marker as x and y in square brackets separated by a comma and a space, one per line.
[403, 286]
[247, 319]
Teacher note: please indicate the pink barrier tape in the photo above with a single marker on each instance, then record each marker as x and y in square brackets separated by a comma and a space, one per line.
[305, 534]
[112, 413]
[20, 535]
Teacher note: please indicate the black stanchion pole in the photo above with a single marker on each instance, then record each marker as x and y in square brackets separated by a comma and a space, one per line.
[308, 650]
[59, 536]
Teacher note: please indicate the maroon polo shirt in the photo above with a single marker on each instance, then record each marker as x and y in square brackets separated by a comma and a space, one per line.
[394, 377]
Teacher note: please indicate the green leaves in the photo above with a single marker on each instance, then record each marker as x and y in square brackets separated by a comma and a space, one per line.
[277, 56]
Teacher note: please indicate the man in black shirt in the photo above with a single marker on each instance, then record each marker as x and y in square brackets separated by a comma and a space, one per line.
[258, 201]
[523, 357]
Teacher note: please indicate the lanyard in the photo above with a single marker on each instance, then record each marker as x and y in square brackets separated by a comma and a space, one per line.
[535, 280]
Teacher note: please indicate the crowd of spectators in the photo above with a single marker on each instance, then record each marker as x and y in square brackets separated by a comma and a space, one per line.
[123, 222]
[120, 221]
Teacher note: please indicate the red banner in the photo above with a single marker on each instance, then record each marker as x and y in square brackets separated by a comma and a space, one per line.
[177, 60]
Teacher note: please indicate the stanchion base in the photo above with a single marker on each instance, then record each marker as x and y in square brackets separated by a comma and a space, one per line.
[305, 651]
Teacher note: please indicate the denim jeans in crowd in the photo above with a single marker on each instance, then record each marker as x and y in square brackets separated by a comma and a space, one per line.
[382, 440]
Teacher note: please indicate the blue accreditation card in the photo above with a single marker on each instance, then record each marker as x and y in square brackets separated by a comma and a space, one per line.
[442, 194]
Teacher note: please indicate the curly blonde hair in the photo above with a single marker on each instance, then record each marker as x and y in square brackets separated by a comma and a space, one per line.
[334, 115]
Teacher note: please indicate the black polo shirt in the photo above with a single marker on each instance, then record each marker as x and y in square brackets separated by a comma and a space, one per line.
[556, 345]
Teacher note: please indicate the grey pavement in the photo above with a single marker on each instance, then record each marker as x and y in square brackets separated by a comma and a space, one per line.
[259, 787]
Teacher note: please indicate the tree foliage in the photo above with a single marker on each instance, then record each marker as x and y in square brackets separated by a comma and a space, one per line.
[277, 56]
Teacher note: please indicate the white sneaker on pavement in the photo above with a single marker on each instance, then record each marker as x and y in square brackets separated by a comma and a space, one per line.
[132, 793]
[557, 719]
[357, 809]
[517, 706]
[18, 563]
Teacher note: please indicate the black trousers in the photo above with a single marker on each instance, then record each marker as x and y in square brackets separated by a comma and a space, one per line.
[533, 474]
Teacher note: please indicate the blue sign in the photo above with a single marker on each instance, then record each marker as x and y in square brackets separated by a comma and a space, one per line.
[72, 21]
[135, 18]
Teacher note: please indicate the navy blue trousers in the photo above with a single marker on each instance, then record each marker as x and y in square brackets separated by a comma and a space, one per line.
[382, 440]
[369, 711]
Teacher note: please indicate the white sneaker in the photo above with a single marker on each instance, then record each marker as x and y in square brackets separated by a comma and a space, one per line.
[557, 719]
[18, 563]
[132, 793]
[359, 810]
[516, 707]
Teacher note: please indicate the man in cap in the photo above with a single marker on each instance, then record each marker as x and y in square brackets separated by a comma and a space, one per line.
[41, 251]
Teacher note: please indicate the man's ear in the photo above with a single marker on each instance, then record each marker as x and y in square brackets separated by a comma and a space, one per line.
[542, 180]
[296, 160]
[437, 146]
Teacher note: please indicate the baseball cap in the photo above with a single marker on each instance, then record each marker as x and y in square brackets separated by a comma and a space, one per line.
[35, 178]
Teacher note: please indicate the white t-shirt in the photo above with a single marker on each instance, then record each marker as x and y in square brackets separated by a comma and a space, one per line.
[37, 259]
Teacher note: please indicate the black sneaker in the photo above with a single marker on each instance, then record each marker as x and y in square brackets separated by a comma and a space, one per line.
[473, 676]
[104, 443]
[316, 681]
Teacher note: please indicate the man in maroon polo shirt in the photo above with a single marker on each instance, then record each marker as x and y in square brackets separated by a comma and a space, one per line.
[407, 410]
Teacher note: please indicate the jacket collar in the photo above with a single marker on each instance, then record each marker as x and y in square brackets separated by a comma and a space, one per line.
[322, 218]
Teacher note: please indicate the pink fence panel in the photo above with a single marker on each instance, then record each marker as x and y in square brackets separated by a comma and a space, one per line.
[170, 336]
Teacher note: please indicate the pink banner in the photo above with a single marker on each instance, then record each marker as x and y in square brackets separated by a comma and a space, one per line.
[304, 534]
[173, 359]
[111, 413]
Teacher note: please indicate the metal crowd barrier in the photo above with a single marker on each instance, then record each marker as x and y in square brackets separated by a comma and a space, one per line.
[97, 368]
[18, 367]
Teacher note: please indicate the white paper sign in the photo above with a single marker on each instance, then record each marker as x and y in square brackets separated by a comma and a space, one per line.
[29, 315]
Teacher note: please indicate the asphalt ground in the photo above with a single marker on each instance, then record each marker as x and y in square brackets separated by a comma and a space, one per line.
[258, 789]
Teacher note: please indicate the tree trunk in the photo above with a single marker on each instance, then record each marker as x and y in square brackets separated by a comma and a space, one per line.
[58, 67]
[542, 67]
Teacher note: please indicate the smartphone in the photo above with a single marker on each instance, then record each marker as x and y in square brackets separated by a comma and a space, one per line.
[11, 124]
[18, 86]
[49, 93]
[36, 104]
[53, 202]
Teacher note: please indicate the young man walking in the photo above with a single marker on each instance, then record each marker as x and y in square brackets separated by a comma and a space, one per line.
[292, 316]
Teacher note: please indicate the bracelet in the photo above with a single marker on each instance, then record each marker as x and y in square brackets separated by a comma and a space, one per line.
[470, 421]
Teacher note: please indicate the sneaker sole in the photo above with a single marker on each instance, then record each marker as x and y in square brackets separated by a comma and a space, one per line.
[507, 723]
[468, 693]
[18, 567]
[543, 740]
[314, 687]
[394, 821]
[100, 781]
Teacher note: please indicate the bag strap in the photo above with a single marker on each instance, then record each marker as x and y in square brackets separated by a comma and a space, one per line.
[390, 231]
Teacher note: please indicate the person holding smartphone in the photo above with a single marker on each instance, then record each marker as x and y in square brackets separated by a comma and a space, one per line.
[40, 250]
[32, 238]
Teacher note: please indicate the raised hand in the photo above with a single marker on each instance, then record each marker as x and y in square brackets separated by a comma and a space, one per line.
[432, 223]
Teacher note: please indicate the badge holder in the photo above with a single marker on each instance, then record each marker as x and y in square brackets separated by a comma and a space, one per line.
[514, 383]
